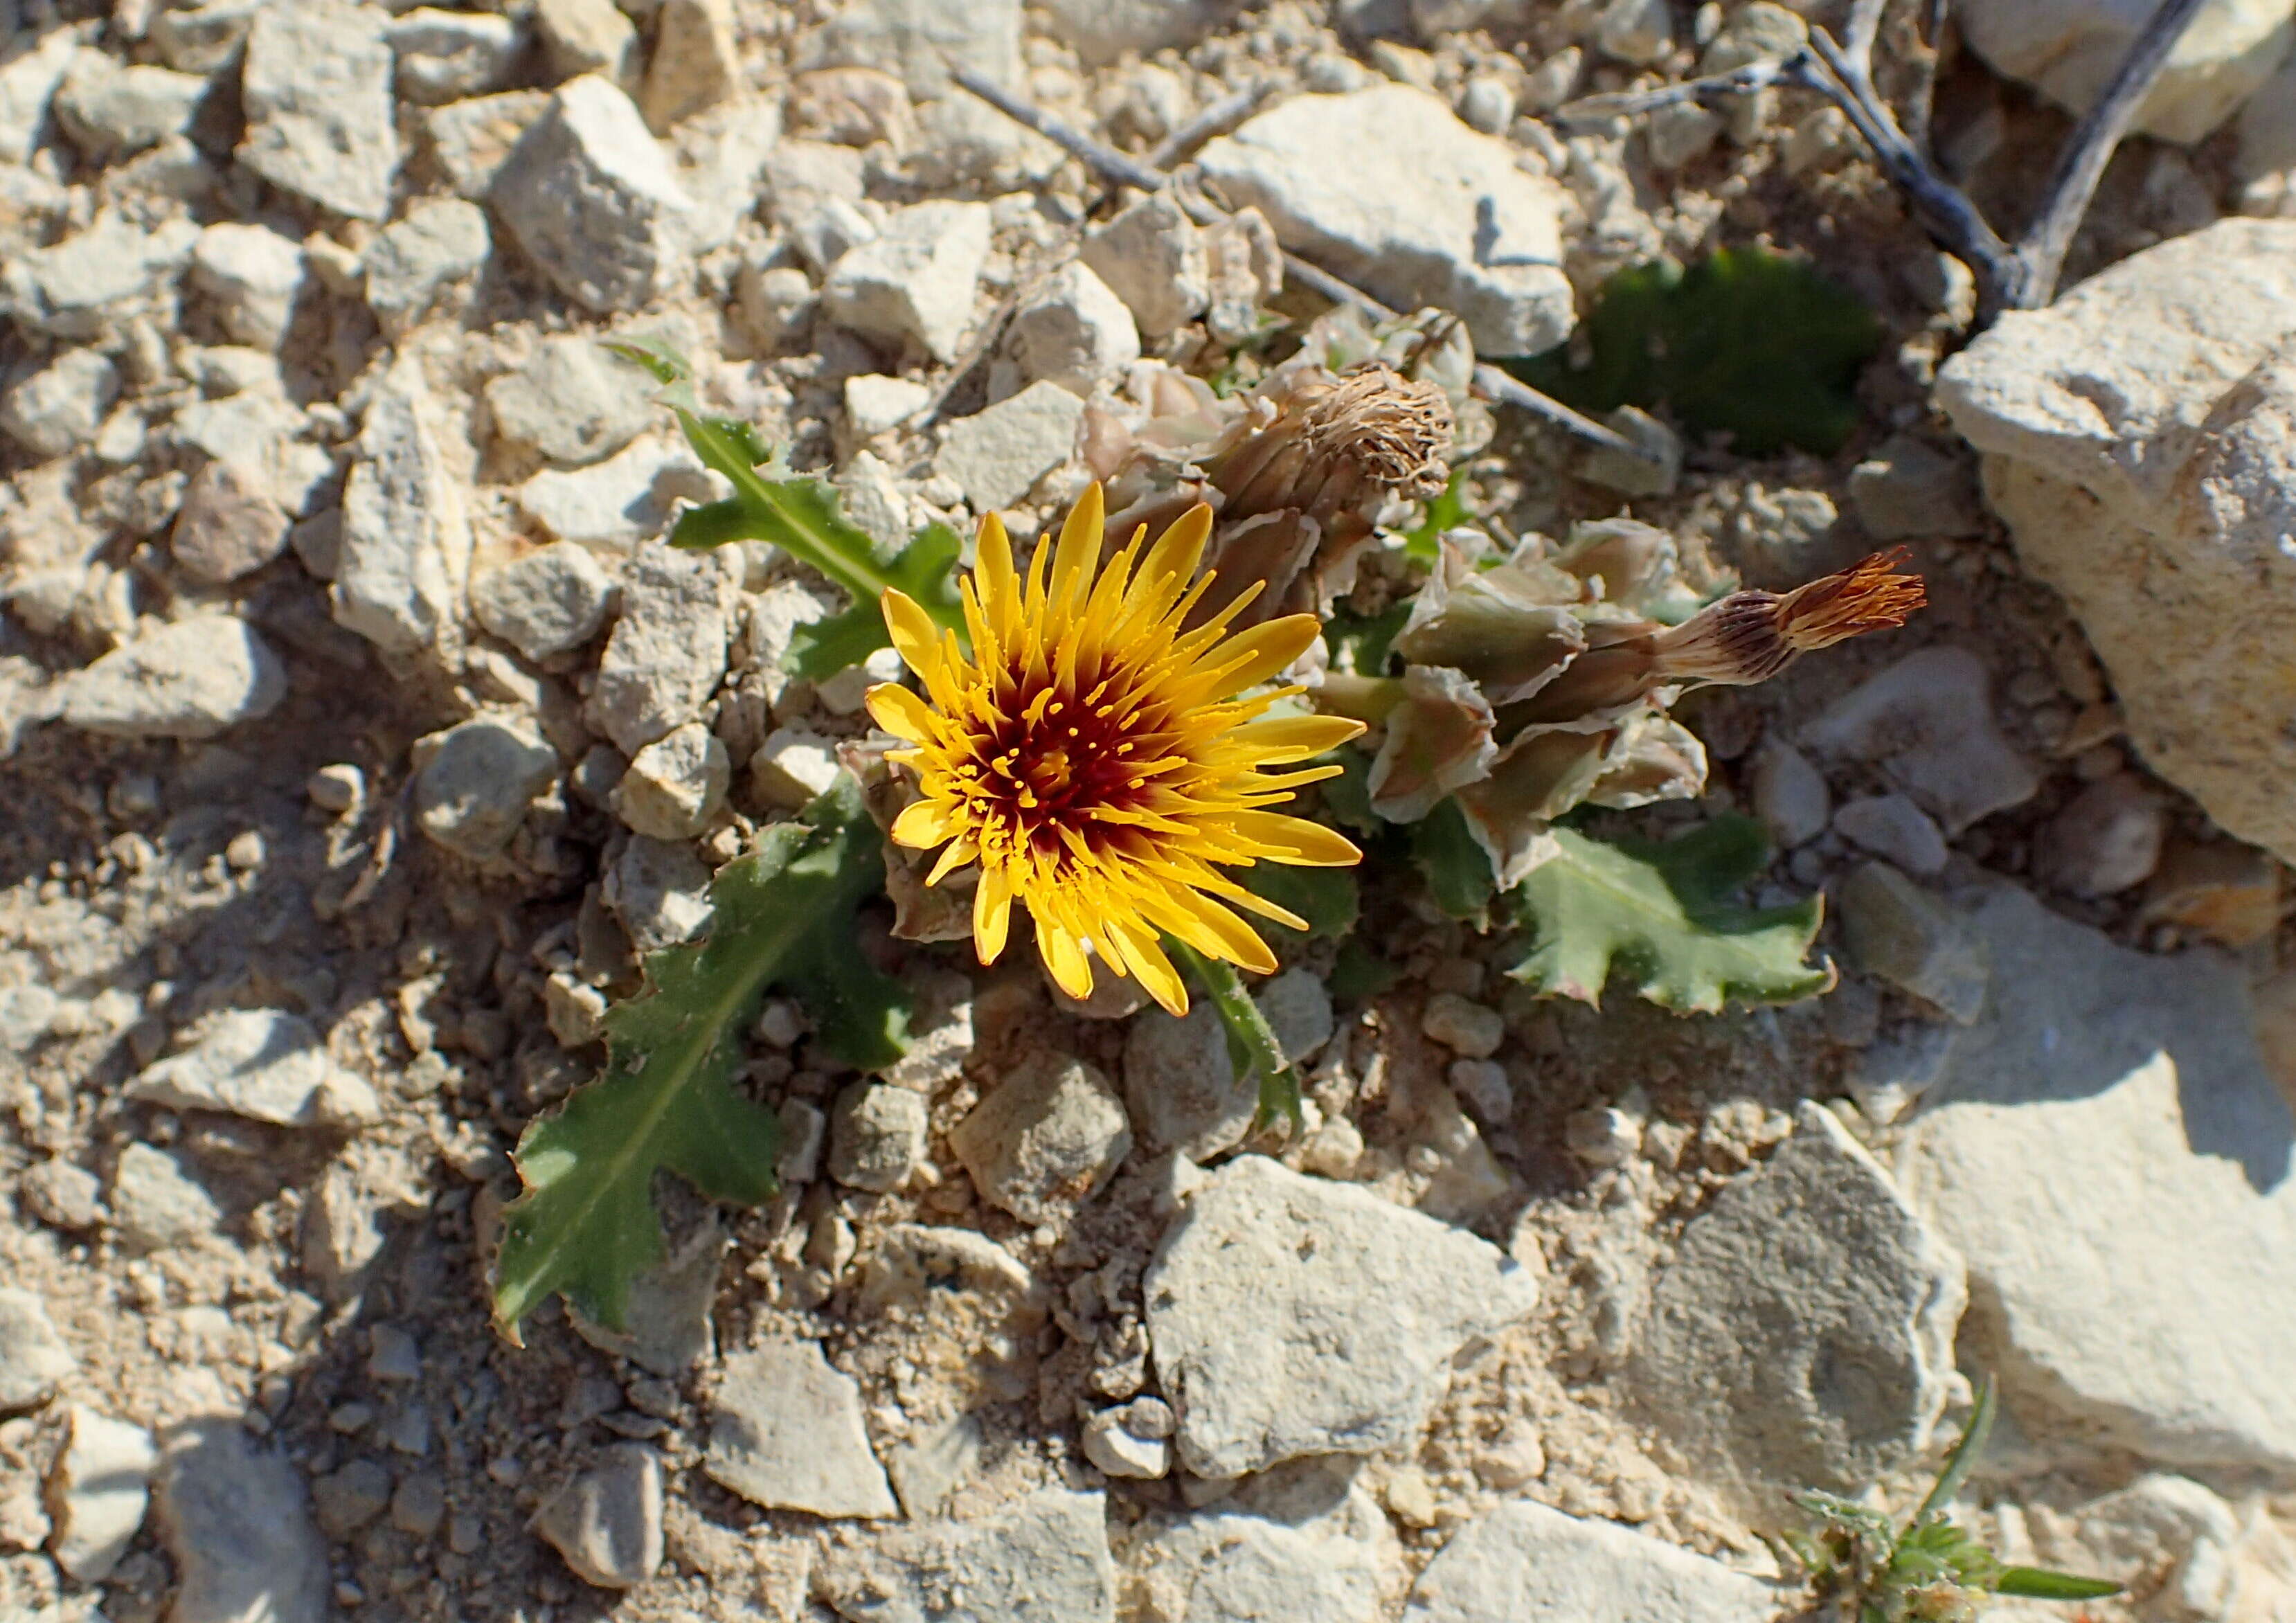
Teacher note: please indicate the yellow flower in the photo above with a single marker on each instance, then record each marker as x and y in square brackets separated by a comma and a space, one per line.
[1093, 758]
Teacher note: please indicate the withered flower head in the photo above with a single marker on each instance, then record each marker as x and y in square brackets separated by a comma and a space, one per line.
[1370, 431]
[1296, 473]
[1751, 636]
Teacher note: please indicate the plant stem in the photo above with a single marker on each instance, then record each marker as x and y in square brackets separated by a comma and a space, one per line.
[1251, 1043]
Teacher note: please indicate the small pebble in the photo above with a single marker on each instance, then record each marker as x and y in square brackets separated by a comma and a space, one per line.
[336, 788]
[1472, 1030]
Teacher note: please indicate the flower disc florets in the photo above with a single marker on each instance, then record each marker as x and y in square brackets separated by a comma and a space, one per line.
[1093, 757]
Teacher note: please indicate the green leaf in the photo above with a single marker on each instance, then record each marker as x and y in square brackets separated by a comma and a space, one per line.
[800, 515]
[1446, 511]
[923, 569]
[1359, 643]
[2037, 1584]
[783, 914]
[1756, 343]
[1326, 898]
[1358, 973]
[1661, 914]
[1964, 1457]
[1347, 796]
[1252, 1045]
[1457, 870]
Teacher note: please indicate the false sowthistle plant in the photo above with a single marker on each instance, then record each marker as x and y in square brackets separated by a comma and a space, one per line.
[1104, 739]
[1924, 1569]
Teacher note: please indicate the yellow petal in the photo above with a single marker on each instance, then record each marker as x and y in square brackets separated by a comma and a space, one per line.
[959, 852]
[1255, 655]
[992, 914]
[1000, 588]
[915, 636]
[1071, 969]
[1078, 550]
[924, 825]
[1294, 839]
[1171, 562]
[900, 712]
[1149, 965]
[1295, 738]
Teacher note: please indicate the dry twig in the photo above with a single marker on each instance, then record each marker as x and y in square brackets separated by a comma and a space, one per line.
[2019, 276]
[1115, 167]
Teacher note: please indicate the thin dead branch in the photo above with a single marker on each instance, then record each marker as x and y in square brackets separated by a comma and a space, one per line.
[2019, 276]
[1115, 167]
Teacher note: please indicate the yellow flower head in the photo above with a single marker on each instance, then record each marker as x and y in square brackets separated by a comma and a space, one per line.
[1093, 758]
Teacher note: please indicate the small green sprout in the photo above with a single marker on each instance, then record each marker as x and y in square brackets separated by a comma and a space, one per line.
[1927, 1569]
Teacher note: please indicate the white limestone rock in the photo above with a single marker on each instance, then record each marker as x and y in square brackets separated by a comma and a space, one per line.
[1928, 721]
[574, 402]
[264, 1065]
[921, 39]
[915, 281]
[98, 1492]
[607, 1522]
[590, 195]
[193, 679]
[660, 890]
[785, 1433]
[1299, 1542]
[1074, 331]
[415, 258]
[254, 275]
[34, 1359]
[996, 455]
[1524, 1562]
[694, 66]
[583, 37]
[475, 781]
[876, 403]
[1101, 30]
[81, 287]
[1153, 256]
[112, 109]
[445, 56]
[615, 505]
[1044, 1138]
[1044, 1559]
[668, 649]
[2108, 1152]
[29, 80]
[156, 1204]
[405, 557]
[1386, 187]
[1292, 1316]
[2068, 50]
[237, 1519]
[471, 140]
[60, 407]
[2140, 439]
[1802, 1334]
[316, 86]
[675, 785]
[546, 602]
[793, 766]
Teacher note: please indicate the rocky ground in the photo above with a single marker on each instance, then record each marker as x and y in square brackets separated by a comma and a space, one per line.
[359, 731]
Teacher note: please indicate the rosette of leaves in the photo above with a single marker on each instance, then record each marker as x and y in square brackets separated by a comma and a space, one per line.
[1485, 712]
[1511, 696]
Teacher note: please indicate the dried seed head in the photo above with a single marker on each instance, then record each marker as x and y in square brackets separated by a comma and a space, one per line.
[1751, 636]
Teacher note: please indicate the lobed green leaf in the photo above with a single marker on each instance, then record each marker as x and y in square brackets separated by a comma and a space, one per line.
[586, 1225]
[1661, 915]
[802, 516]
[1759, 344]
